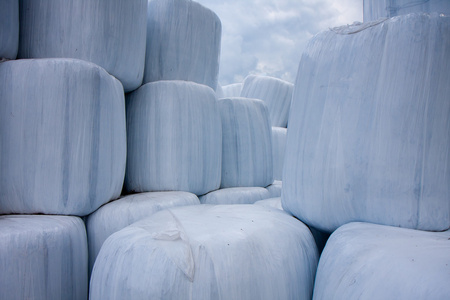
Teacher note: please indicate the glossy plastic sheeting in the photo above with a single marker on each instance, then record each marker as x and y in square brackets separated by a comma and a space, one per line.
[232, 90]
[109, 33]
[174, 138]
[369, 134]
[43, 257]
[208, 252]
[278, 147]
[9, 29]
[62, 137]
[368, 261]
[376, 9]
[246, 144]
[276, 93]
[183, 42]
[237, 195]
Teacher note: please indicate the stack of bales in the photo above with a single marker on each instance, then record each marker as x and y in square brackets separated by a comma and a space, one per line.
[369, 141]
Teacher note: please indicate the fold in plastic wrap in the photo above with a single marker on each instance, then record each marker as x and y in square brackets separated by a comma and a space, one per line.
[369, 129]
[376, 9]
[122, 212]
[279, 135]
[246, 143]
[111, 34]
[62, 137]
[275, 188]
[9, 29]
[183, 42]
[276, 93]
[236, 195]
[43, 257]
[368, 261]
[208, 252]
[174, 138]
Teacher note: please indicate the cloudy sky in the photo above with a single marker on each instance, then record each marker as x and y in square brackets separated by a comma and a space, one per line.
[268, 36]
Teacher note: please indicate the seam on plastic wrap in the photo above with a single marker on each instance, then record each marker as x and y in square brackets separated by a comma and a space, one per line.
[356, 27]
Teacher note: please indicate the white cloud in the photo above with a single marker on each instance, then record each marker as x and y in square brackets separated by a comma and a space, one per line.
[268, 36]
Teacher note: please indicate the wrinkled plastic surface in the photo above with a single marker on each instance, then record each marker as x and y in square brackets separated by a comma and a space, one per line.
[372, 143]
[43, 257]
[232, 90]
[237, 195]
[279, 135]
[174, 138]
[111, 34]
[122, 212]
[9, 29]
[368, 261]
[62, 137]
[247, 143]
[183, 42]
[208, 252]
[375, 9]
[276, 93]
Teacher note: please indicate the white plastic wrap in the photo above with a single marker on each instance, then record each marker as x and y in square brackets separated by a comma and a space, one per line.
[9, 29]
[208, 252]
[275, 188]
[62, 137]
[110, 33]
[232, 90]
[237, 195]
[368, 261]
[271, 202]
[174, 138]
[183, 42]
[247, 143]
[43, 257]
[278, 147]
[276, 93]
[118, 214]
[376, 9]
[372, 143]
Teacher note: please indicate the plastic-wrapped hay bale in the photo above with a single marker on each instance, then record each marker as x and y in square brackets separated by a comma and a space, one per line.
[9, 29]
[109, 33]
[232, 90]
[208, 252]
[174, 138]
[372, 143]
[271, 202]
[183, 42]
[376, 9]
[118, 214]
[43, 257]
[247, 143]
[278, 147]
[368, 261]
[219, 91]
[276, 93]
[237, 195]
[62, 137]
[275, 188]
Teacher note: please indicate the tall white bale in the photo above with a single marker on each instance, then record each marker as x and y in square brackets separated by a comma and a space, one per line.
[43, 257]
[62, 137]
[174, 138]
[236, 195]
[246, 143]
[109, 33]
[9, 29]
[367, 261]
[279, 135]
[276, 93]
[183, 42]
[372, 143]
[376, 9]
[118, 214]
[208, 252]
[232, 90]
